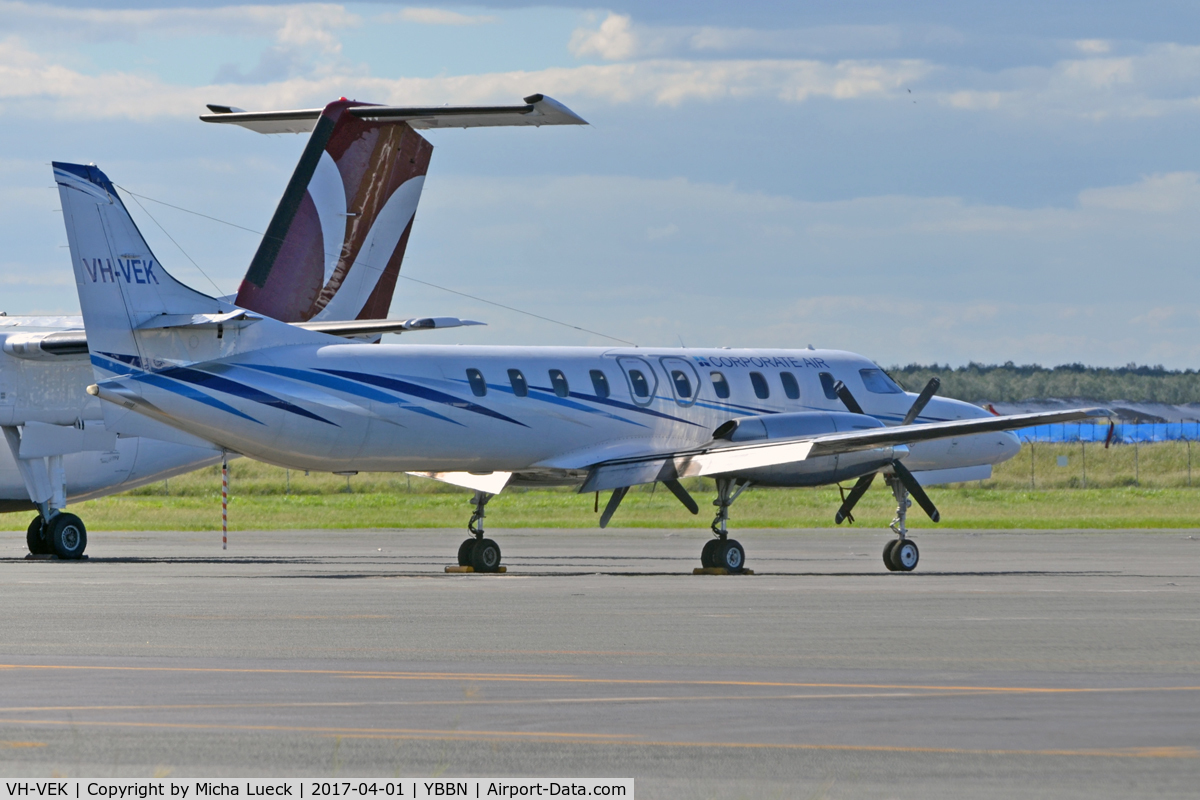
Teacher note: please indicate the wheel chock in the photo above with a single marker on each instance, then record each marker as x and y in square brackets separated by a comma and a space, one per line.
[472, 569]
[720, 571]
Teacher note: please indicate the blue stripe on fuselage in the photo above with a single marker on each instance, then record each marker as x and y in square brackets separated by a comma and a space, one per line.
[220, 384]
[349, 387]
[183, 390]
[423, 392]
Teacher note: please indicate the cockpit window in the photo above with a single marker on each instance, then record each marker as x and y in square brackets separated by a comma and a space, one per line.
[878, 382]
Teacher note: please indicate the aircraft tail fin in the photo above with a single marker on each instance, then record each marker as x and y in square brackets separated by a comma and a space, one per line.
[138, 317]
[334, 247]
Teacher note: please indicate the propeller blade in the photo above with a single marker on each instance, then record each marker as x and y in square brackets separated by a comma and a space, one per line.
[860, 488]
[848, 400]
[613, 503]
[922, 400]
[916, 491]
[682, 494]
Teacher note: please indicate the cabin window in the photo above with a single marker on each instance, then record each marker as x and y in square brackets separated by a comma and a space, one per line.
[600, 384]
[478, 384]
[761, 390]
[827, 384]
[559, 382]
[683, 387]
[878, 382]
[641, 387]
[790, 387]
[720, 385]
[520, 386]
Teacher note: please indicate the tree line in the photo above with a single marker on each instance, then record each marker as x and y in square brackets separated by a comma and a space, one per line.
[1009, 383]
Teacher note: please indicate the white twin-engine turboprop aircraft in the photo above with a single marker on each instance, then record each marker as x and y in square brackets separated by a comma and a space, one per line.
[487, 417]
[329, 262]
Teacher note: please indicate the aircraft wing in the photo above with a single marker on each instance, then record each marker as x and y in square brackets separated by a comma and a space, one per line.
[537, 110]
[716, 459]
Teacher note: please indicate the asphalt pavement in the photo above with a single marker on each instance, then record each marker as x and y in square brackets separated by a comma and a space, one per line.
[1027, 664]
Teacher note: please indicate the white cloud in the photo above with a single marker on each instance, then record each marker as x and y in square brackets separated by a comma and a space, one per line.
[435, 16]
[1167, 194]
[1163, 79]
[614, 40]
[898, 278]
[26, 77]
[1093, 46]
[303, 23]
[618, 38]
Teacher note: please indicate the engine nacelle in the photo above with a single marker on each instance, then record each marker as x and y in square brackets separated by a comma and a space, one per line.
[802, 424]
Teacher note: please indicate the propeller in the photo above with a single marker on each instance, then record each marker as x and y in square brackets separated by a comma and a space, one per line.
[902, 472]
[682, 495]
[916, 491]
[922, 400]
[614, 503]
[849, 502]
[843, 393]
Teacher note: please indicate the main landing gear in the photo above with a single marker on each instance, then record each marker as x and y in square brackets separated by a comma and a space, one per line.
[901, 554]
[723, 552]
[478, 552]
[53, 531]
[64, 535]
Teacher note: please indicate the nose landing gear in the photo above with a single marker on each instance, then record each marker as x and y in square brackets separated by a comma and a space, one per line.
[901, 554]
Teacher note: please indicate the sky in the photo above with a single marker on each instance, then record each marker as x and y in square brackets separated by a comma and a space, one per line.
[917, 182]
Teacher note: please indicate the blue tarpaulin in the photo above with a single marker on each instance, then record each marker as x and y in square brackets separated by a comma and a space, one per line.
[1122, 433]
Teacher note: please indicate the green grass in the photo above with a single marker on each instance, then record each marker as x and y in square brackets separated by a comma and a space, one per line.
[263, 497]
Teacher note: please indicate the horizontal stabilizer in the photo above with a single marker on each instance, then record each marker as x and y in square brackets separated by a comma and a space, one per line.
[230, 319]
[375, 327]
[538, 110]
[74, 343]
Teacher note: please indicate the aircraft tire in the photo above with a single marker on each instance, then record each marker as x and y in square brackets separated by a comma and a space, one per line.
[730, 556]
[464, 552]
[887, 555]
[68, 536]
[35, 537]
[905, 555]
[707, 558]
[485, 556]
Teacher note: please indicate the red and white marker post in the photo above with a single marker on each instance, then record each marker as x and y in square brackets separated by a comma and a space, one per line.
[224, 503]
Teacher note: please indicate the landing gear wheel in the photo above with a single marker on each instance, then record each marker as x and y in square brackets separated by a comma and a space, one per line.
[485, 556]
[730, 555]
[905, 555]
[887, 554]
[35, 537]
[67, 536]
[707, 555]
[464, 552]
